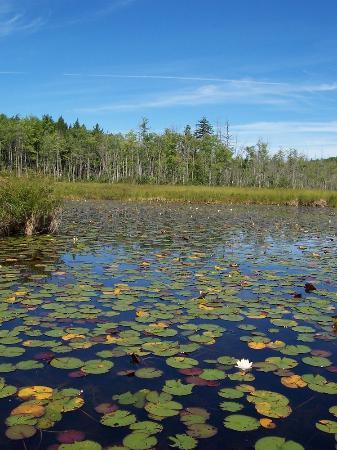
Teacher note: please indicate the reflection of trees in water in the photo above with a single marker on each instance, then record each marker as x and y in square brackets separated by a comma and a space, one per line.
[187, 228]
[178, 230]
[37, 255]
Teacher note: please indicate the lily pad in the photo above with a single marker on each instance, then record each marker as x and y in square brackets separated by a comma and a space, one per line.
[68, 363]
[18, 432]
[276, 443]
[119, 418]
[148, 372]
[139, 441]
[176, 387]
[240, 422]
[183, 442]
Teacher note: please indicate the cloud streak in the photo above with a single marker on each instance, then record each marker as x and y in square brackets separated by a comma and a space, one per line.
[89, 16]
[168, 77]
[12, 21]
[318, 139]
[286, 127]
[220, 91]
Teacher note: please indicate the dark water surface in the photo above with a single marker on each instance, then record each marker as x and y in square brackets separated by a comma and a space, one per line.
[151, 294]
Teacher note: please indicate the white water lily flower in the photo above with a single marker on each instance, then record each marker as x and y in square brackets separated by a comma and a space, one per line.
[244, 364]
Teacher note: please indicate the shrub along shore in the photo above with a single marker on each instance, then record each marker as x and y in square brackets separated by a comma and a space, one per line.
[195, 194]
[28, 206]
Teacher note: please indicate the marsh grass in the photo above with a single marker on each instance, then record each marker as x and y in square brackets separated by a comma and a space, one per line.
[28, 206]
[196, 194]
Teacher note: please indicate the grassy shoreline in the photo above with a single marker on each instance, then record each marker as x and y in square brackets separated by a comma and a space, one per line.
[28, 206]
[195, 194]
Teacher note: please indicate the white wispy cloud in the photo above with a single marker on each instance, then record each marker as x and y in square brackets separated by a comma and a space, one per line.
[113, 6]
[13, 20]
[169, 77]
[11, 72]
[220, 91]
[96, 13]
[317, 139]
[286, 127]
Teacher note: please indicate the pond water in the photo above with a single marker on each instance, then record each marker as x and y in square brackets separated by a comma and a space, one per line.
[125, 329]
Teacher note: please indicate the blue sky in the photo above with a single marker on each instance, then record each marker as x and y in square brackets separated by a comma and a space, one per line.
[269, 67]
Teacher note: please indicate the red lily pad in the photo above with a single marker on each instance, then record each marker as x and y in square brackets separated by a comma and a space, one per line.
[44, 356]
[191, 371]
[106, 408]
[201, 382]
[70, 436]
[77, 374]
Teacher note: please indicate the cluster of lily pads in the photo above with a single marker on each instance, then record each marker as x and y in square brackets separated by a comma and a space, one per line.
[156, 321]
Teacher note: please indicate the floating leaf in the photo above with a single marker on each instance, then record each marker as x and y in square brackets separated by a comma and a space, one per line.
[97, 366]
[294, 381]
[202, 430]
[18, 432]
[139, 441]
[164, 409]
[230, 393]
[212, 374]
[267, 423]
[70, 436]
[183, 442]
[119, 418]
[328, 426]
[181, 362]
[36, 393]
[176, 387]
[32, 409]
[317, 361]
[231, 406]
[276, 443]
[146, 427]
[148, 372]
[239, 422]
[68, 363]
[83, 445]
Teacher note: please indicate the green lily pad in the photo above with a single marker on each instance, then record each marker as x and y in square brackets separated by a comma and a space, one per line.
[328, 426]
[276, 443]
[227, 360]
[231, 406]
[333, 410]
[83, 445]
[139, 441]
[230, 393]
[176, 387]
[282, 363]
[68, 363]
[119, 418]
[181, 362]
[202, 430]
[18, 432]
[147, 427]
[24, 419]
[183, 442]
[212, 374]
[165, 409]
[240, 422]
[148, 372]
[97, 366]
[7, 391]
[317, 361]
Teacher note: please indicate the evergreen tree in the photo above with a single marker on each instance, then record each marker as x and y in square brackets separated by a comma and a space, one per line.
[61, 125]
[203, 128]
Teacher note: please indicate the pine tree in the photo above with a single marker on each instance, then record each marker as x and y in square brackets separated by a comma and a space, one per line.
[61, 125]
[203, 128]
[187, 130]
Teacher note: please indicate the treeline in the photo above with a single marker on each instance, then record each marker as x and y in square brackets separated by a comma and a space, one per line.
[195, 156]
